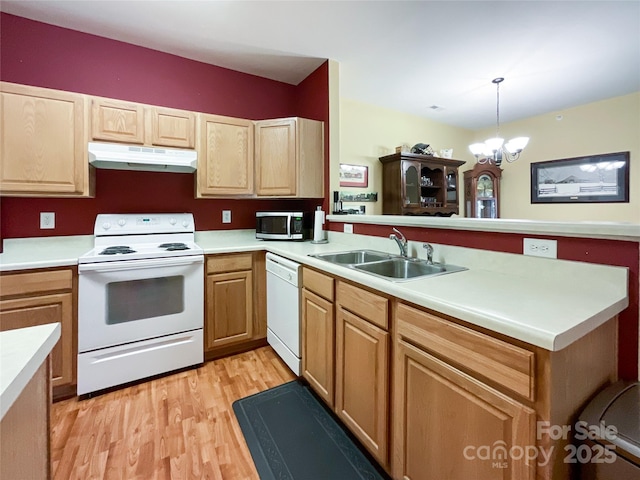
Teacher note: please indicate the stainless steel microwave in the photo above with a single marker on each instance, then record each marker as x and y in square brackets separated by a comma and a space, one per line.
[280, 225]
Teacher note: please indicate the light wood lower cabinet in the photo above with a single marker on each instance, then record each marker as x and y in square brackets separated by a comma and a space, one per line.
[362, 381]
[229, 317]
[38, 298]
[25, 445]
[318, 333]
[235, 317]
[43, 143]
[362, 367]
[449, 425]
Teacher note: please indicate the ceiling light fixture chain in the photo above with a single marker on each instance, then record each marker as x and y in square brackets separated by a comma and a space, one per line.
[494, 150]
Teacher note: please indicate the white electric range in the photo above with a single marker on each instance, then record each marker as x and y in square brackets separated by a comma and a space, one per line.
[140, 299]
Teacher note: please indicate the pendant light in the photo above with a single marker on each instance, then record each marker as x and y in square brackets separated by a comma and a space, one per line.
[494, 150]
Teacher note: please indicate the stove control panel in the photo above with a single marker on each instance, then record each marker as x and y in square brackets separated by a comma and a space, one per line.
[132, 224]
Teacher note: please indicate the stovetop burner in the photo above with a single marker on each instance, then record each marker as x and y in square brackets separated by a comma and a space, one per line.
[117, 249]
[170, 247]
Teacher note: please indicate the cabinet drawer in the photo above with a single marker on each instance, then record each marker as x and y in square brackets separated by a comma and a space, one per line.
[318, 283]
[367, 305]
[510, 366]
[28, 283]
[229, 263]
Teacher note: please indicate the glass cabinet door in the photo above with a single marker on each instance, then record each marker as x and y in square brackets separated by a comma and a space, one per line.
[452, 187]
[411, 183]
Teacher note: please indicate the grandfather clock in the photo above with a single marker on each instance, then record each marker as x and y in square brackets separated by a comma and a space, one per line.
[482, 191]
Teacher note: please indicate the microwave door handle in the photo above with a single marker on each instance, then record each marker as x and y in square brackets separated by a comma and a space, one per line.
[106, 267]
[289, 220]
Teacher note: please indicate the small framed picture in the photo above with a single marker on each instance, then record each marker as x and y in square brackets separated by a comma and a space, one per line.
[592, 179]
[354, 175]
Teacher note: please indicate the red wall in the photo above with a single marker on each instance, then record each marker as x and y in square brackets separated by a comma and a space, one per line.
[38, 54]
[606, 252]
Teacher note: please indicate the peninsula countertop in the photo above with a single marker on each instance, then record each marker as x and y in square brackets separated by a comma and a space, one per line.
[545, 302]
[22, 351]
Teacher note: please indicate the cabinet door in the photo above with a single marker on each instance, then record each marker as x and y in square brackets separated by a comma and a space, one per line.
[171, 128]
[225, 156]
[43, 142]
[410, 184]
[449, 425]
[115, 121]
[318, 344]
[276, 172]
[362, 381]
[31, 311]
[229, 316]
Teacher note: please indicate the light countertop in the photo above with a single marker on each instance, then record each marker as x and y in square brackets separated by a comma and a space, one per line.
[545, 302]
[22, 351]
[585, 229]
[43, 252]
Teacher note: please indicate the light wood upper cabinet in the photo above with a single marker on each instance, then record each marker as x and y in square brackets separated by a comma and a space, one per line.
[38, 298]
[170, 127]
[225, 156]
[135, 123]
[116, 121]
[43, 142]
[289, 158]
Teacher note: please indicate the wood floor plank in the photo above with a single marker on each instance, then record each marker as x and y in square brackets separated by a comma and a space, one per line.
[179, 426]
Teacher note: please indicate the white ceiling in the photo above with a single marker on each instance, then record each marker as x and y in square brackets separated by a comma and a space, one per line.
[404, 55]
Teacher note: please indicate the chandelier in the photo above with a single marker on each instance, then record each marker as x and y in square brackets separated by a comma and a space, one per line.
[494, 150]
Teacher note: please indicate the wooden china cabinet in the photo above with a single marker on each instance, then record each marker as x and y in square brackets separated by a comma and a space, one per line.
[482, 191]
[414, 184]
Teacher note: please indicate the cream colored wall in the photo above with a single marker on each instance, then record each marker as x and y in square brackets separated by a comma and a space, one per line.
[607, 126]
[368, 132]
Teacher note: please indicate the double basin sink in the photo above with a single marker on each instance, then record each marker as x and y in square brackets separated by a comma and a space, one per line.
[388, 266]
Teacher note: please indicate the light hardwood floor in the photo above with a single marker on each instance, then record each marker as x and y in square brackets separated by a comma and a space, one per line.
[176, 427]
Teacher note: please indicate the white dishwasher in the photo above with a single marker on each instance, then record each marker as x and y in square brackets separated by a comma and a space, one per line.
[283, 309]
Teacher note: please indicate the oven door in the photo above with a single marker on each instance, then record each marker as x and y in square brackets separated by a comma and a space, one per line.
[127, 301]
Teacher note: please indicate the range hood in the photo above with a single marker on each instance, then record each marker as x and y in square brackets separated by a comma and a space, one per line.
[134, 157]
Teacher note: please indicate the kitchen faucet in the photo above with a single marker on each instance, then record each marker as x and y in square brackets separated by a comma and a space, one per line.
[401, 241]
[429, 249]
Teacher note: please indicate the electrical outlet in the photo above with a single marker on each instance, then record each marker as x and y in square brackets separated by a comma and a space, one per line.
[540, 248]
[348, 228]
[47, 220]
[226, 216]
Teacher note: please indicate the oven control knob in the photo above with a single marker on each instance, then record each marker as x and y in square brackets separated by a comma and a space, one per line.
[122, 222]
[173, 221]
[185, 223]
[106, 226]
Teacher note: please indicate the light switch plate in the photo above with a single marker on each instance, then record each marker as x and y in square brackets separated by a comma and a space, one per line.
[538, 247]
[226, 216]
[47, 220]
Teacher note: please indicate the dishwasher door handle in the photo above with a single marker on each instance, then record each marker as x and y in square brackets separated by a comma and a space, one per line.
[283, 268]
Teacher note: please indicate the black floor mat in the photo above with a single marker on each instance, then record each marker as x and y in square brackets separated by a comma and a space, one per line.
[292, 436]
